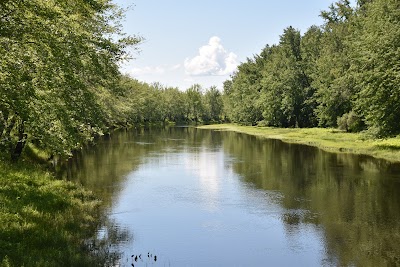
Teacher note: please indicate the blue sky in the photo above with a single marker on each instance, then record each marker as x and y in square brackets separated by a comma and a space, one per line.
[202, 42]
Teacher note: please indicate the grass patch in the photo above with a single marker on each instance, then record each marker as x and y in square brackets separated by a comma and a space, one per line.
[332, 140]
[43, 221]
[35, 155]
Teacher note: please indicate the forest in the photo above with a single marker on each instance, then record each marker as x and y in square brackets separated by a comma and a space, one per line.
[61, 87]
[345, 73]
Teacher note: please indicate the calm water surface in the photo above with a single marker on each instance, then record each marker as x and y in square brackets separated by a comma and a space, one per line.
[195, 197]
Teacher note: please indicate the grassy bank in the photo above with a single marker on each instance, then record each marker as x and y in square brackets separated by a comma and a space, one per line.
[331, 140]
[43, 221]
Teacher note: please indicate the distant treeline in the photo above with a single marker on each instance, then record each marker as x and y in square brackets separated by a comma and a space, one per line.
[60, 84]
[344, 73]
[142, 103]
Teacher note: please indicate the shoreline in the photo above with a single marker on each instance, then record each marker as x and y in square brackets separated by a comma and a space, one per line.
[330, 140]
[44, 220]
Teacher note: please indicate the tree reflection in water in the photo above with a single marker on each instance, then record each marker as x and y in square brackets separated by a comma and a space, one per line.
[353, 201]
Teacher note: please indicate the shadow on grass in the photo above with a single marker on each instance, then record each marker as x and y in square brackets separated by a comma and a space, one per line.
[47, 222]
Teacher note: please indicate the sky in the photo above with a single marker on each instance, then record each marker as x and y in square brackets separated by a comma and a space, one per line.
[203, 42]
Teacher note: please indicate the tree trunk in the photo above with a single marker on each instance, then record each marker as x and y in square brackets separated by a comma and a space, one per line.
[3, 122]
[16, 153]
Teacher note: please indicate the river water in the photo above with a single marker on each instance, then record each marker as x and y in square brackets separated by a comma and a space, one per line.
[182, 196]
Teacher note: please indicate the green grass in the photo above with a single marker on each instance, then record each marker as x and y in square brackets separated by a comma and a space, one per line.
[332, 140]
[43, 221]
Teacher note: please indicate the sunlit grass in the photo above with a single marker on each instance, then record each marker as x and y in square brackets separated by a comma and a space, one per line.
[43, 221]
[32, 153]
[327, 139]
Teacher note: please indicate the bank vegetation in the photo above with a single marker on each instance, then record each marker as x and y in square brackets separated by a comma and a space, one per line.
[61, 88]
[328, 139]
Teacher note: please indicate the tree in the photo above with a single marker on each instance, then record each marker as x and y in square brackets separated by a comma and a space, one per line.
[376, 66]
[243, 91]
[57, 60]
[194, 100]
[285, 84]
[310, 52]
[335, 87]
[213, 104]
[175, 104]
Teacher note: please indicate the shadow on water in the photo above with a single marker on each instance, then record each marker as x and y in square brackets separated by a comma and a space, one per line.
[103, 167]
[353, 200]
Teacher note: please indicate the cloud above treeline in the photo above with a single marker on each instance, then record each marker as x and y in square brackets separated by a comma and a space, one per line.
[210, 67]
[212, 60]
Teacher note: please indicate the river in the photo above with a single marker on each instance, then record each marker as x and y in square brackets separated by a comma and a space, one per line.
[183, 196]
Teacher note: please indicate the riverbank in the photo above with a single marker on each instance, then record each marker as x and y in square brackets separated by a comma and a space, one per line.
[331, 140]
[43, 221]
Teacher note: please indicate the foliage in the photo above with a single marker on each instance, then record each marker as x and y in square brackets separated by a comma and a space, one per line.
[57, 61]
[328, 139]
[43, 222]
[284, 84]
[350, 122]
[348, 68]
[376, 66]
[60, 86]
[213, 105]
[335, 87]
[242, 92]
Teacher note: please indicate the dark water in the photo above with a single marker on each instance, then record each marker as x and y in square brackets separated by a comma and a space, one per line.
[195, 197]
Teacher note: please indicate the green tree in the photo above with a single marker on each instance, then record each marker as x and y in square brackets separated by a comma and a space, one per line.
[285, 84]
[310, 53]
[175, 104]
[213, 104]
[195, 104]
[243, 91]
[57, 60]
[376, 66]
[335, 87]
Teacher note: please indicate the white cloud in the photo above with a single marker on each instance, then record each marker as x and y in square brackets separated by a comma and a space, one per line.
[189, 80]
[153, 70]
[212, 60]
[149, 70]
[175, 67]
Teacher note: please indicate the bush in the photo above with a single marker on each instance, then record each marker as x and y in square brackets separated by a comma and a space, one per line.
[350, 122]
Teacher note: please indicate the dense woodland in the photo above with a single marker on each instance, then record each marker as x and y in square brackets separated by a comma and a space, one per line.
[60, 84]
[344, 73]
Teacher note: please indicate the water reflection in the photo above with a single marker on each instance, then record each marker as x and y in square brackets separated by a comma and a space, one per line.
[354, 199]
[207, 167]
[206, 198]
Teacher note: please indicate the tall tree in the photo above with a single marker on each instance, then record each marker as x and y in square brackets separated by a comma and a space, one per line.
[195, 104]
[243, 92]
[310, 53]
[284, 83]
[56, 60]
[213, 104]
[335, 88]
[376, 66]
